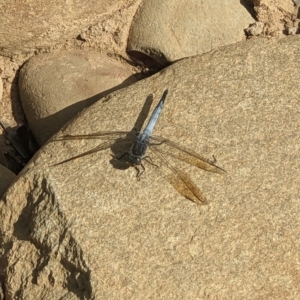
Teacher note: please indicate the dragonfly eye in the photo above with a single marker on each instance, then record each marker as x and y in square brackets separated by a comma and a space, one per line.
[134, 160]
[138, 161]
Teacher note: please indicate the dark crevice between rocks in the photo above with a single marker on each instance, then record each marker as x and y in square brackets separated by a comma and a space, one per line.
[249, 5]
[150, 61]
[2, 288]
[11, 158]
[144, 60]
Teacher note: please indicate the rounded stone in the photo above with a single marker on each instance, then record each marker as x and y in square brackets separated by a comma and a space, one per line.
[171, 30]
[55, 87]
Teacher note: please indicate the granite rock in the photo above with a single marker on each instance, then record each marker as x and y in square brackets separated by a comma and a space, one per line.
[89, 229]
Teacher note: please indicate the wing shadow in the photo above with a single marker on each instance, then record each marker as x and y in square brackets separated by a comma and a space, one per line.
[119, 142]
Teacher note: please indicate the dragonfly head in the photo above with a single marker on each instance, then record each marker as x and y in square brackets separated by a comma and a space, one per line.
[134, 160]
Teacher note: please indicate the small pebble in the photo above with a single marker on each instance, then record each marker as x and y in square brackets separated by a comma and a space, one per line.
[255, 29]
[291, 30]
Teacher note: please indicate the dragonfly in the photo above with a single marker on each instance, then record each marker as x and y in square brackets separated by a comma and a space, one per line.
[161, 147]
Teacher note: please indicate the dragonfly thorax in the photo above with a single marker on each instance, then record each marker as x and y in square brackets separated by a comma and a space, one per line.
[138, 150]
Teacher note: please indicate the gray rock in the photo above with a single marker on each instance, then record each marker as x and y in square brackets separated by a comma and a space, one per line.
[6, 178]
[170, 30]
[88, 229]
[52, 23]
[55, 87]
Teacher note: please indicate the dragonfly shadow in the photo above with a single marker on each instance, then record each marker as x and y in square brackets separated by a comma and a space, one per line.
[134, 144]
[119, 142]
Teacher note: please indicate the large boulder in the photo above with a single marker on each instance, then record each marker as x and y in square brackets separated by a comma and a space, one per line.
[89, 229]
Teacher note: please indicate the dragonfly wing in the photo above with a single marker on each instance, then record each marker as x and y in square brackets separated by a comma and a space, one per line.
[189, 156]
[108, 135]
[100, 147]
[180, 180]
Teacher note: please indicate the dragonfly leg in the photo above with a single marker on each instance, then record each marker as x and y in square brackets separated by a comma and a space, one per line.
[150, 161]
[213, 160]
[139, 172]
